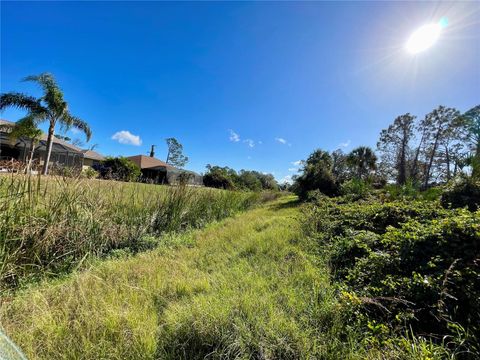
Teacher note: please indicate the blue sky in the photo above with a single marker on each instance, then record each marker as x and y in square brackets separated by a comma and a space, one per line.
[246, 85]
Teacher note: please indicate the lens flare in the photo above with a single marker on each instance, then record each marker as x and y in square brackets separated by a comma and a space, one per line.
[424, 37]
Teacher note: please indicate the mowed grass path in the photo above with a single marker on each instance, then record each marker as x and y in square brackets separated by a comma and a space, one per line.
[241, 288]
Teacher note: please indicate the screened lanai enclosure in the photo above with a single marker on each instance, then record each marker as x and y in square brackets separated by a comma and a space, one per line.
[63, 154]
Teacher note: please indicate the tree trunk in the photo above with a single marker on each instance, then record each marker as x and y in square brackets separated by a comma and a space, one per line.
[430, 162]
[447, 160]
[168, 156]
[402, 163]
[402, 171]
[51, 132]
[476, 162]
[30, 158]
[414, 172]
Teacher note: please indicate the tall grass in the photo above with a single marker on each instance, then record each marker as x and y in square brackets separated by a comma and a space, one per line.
[50, 225]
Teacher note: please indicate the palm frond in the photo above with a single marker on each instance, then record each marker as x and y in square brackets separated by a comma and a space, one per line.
[26, 127]
[53, 95]
[68, 121]
[20, 101]
[45, 80]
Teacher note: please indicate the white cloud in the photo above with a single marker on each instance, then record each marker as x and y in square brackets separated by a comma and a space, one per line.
[74, 130]
[344, 144]
[249, 142]
[293, 169]
[297, 163]
[234, 136]
[126, 137]
[260, 142]
[282, 141]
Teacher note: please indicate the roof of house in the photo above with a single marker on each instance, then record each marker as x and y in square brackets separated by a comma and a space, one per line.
[6, 122]
[43, 139]
[90, 154]
[147, 162]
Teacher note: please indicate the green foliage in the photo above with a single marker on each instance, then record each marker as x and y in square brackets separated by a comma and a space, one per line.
[227, 178]
[462, 192]
[471, 121]
[356, 188]
[363, 161]
[316, 175]
[410, 264]
[90, 173]
[220, 177]
[118, 168]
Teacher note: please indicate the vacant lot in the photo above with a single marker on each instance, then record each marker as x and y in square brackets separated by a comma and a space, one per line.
[151, 272]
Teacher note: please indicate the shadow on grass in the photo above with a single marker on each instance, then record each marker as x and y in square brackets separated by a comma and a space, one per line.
[291, 203]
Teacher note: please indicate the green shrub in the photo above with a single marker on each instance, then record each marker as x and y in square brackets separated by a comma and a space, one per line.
[118, 168]
[218, 180]
[462, 192]
[89, 173]
[410, 264]
[356, 188]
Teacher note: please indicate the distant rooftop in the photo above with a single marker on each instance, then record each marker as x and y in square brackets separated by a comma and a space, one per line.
[90, 154]
[147, 162]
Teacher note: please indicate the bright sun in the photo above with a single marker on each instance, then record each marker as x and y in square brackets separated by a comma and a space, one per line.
[424, 37]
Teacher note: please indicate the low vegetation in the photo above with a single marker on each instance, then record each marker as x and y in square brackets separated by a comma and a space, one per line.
[255, 286]
[405, 266]
[49, 226]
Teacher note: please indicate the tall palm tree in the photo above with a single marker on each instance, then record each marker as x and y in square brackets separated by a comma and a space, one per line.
[51, 107]
[363, 159]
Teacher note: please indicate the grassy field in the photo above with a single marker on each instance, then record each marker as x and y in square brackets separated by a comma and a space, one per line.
[247, 287]
[51, 226]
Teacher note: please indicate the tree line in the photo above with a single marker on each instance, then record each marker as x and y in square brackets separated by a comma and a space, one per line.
[422, 153]
[229, 179]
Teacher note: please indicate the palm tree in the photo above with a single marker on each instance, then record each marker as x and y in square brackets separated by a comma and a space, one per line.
[51, 107]
[25, 128]
[363, 159]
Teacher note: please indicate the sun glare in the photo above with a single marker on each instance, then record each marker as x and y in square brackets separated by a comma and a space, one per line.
[424, 37]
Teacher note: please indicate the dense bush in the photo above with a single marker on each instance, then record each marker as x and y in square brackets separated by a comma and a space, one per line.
[356, 188]
[227, 178]
[118, 168]
[462, 192]
[218, 180]
[408, 264]
[316, 175]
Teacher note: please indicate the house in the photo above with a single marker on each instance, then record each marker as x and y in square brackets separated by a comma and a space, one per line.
[63, 153]
[159, 172]
[91, 158]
